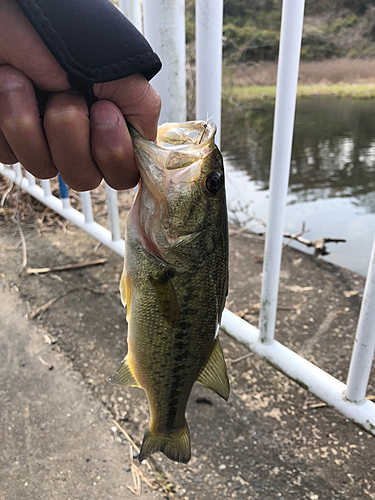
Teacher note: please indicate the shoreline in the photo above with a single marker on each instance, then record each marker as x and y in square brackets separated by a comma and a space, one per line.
[259, 92]
[354, 78]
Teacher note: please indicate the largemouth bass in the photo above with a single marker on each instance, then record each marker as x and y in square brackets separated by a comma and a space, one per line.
[175, 279]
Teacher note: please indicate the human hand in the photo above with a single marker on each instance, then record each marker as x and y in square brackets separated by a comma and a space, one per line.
[84, 146]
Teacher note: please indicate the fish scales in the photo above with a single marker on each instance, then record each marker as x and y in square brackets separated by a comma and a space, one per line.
[175, 283]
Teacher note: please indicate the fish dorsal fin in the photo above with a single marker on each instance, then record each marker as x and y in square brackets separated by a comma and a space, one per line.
[126, 293]
[124, 376]
[167, 299]
[214, 375]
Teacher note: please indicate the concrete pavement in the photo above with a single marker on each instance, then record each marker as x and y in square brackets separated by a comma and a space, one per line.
[56, 439]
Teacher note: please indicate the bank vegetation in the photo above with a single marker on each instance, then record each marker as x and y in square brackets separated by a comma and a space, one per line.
[337, 56]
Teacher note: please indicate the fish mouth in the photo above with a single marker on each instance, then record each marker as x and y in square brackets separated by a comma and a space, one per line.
[179, 146]
[192, 136]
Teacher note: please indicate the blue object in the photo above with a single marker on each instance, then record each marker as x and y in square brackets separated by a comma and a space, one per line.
[64, 192]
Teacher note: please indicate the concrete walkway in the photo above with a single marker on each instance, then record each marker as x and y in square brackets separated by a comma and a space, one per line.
[56, 441]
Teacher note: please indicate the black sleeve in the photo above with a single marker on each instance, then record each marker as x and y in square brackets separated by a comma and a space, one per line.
[91, 40]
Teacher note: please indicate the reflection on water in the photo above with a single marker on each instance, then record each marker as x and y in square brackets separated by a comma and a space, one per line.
[332, 179]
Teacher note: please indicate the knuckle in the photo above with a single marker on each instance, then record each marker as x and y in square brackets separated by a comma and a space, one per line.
[156, 103]
[63, 114]
[21, 123]
[12, 79]
[115, 155]
[148, 94]
[65, 108]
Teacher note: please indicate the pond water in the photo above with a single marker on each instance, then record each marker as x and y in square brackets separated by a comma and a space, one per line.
[332, 179]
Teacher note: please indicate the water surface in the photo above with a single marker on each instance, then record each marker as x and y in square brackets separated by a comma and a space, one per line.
[332, 179]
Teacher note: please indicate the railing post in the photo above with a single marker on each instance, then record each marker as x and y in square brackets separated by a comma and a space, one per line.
[287, 77]
[87, 206]
[164, 28]
[30, 178]
[209, 33]
[364, 344]
[46, 185]
[113, 214]
[132, 10]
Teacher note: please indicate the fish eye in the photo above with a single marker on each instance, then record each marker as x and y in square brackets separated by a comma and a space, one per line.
[214, 182]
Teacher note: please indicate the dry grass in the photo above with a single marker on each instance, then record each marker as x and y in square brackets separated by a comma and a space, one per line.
[35, 215]
[335, 71]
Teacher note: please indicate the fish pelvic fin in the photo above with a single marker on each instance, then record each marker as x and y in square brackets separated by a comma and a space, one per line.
[175, 445]
[214, 375]
[124, 375]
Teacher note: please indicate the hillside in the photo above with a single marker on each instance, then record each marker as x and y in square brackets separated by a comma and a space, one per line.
[332, 29]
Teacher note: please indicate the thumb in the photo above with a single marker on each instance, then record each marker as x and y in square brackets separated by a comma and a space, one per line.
[137, 99]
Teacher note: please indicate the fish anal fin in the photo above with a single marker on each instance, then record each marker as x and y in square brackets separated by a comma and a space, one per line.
[214, 375]
[126, 293]
[167, 299]
[124, 376]
[175, 444]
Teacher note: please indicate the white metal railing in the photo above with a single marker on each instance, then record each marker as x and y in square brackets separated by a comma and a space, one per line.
[348, 399]
[85, 220]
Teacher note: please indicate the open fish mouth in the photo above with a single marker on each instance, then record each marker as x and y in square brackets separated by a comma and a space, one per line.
[189, 136]
[179, 145]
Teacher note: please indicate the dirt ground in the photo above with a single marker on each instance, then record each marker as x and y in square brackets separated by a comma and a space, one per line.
[272, 440]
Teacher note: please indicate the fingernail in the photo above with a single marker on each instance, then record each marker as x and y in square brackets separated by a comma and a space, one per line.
[105, 116]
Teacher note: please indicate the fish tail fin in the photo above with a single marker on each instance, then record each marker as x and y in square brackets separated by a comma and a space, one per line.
[175, 445]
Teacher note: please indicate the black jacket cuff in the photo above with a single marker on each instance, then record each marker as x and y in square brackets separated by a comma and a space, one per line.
[91, 40]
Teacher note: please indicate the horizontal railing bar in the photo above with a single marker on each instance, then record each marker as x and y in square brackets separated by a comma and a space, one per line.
[309, 376]
[70, 213]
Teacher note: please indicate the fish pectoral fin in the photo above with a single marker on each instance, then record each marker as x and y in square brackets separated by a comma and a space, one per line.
[167, 299]
[124, 376]
[125, 292]
[174, 444]
[214, 375]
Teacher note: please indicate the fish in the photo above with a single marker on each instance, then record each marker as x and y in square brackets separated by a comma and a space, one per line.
[175, 279]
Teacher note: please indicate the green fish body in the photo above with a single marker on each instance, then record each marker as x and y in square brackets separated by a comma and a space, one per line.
[175, 279]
